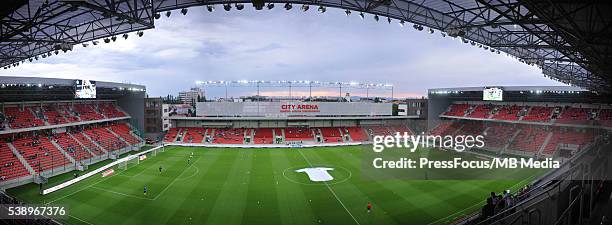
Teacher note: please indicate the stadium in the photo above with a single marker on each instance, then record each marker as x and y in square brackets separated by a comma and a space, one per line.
[92, 151]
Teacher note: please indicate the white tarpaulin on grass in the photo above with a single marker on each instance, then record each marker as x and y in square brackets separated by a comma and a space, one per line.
[317, 174]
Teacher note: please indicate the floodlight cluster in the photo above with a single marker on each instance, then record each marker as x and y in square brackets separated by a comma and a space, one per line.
[303, 83]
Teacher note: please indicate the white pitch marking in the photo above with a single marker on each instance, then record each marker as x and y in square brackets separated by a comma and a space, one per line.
[332, 191]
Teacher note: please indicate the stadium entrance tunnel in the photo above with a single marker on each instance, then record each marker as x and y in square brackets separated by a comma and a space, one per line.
[301, 174]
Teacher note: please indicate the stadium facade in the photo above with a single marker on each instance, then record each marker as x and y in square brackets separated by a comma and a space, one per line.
[284, 122]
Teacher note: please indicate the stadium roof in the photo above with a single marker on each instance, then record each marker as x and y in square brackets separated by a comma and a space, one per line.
[34, 81]
[570, 41]
[514, 88]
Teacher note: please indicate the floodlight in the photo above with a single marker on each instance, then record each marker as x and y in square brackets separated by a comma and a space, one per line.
[239, 6]
[322, 9]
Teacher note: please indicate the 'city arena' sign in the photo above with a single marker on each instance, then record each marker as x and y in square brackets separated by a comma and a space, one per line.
[299, 108]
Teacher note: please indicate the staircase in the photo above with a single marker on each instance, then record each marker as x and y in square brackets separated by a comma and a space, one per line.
[95, 143]
[81, 144]
[120, 138]
[63, 152]
[510, 141]
[541, 149]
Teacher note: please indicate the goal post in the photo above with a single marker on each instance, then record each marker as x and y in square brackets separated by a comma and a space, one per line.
[133, 160]
[156, 151]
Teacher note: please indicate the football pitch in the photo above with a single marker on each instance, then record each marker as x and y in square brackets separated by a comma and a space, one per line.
[261, 186]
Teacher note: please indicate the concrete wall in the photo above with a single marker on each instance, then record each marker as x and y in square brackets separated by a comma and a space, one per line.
[133, 104]
[436, 106]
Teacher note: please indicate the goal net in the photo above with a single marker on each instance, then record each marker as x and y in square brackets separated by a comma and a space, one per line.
[133, 160]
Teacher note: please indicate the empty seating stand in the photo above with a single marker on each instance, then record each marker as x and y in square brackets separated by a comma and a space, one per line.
[446, 128]
[357, 133]
[529, 139]
[481, 111]
[171, 135]
[21, 118]
[10, 166]
[539, 114]
[605, 117]
[76, 151]
[88, 143]
[86, 112]
[298, 134]
[53, 116]
[498, 135]
[571, 115]
[229, 136]
[194, 135]
[263, 136]
[331, 134]
[508, 113]
[105, 138]
[378, 131]
[40, 154]
[457, 110]
[569, 136]
[110, 110]
[125, 132]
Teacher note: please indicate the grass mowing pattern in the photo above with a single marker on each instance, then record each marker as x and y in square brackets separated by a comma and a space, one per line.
[259, 186]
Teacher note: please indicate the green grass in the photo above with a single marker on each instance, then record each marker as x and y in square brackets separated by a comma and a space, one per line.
[259, 186]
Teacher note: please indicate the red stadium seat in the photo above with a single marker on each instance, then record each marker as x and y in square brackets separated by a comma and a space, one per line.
[194, 134]
[357, 133]
[40, 154]
[264, 136]
[331, 134]
[10, 166]
[457, 110]
[229, 136]
[69, 145]
[298, 134]
[539, 114]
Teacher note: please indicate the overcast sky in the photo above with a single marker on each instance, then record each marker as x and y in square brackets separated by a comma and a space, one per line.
[285, 45]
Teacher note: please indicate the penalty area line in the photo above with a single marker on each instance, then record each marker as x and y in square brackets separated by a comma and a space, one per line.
[332, 191]
[79, 219]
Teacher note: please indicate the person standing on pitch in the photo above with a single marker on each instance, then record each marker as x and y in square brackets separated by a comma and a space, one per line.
[369, 207]
[145, 189]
